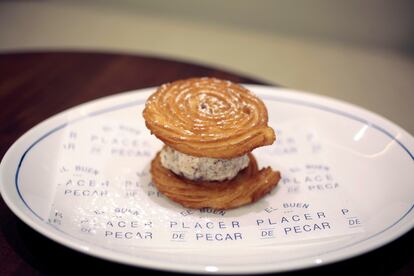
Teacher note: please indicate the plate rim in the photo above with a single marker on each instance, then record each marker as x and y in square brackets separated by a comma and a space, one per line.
[95, 250]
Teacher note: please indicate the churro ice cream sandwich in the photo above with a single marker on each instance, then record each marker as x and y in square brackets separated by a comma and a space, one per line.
[209, 127]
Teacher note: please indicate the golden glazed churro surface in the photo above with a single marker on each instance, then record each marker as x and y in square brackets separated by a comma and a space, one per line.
[208, 117]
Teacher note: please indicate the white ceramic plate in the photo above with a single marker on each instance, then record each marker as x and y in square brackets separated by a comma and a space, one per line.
[81, 179]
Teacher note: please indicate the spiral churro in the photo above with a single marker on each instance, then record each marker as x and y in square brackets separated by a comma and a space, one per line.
[209, 126]
[208, 117]
[248, 186]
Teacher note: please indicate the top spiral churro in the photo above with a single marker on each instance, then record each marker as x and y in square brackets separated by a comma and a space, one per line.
[208, 117]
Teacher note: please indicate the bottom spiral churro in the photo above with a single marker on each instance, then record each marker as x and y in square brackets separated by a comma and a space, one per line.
[247, 187]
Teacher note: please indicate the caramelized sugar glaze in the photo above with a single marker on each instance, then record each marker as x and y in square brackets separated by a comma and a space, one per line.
[208, 117]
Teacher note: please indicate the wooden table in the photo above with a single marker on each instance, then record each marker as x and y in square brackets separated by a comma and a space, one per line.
[34, 86]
